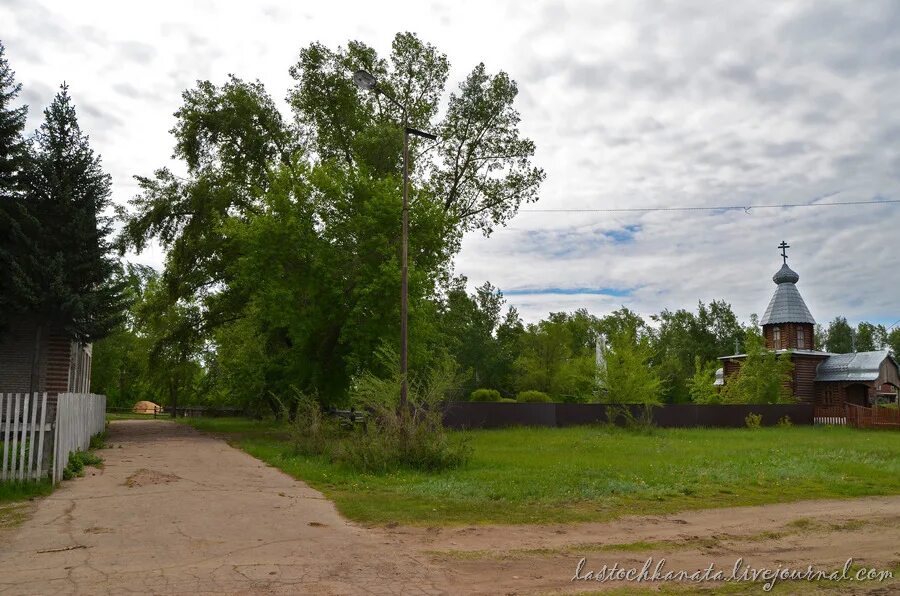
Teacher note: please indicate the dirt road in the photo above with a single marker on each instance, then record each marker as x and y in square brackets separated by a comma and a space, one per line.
[176, 511]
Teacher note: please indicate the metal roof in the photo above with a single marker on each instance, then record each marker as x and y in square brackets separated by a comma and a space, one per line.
[859, 366]
[786, 306]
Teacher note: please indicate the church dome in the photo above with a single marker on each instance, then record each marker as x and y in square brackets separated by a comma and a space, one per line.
[785, 275]
[786, 306]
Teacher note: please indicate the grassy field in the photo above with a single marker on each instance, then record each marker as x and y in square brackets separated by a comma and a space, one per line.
[533, 475]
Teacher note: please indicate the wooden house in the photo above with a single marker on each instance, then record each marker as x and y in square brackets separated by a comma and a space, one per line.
[39, 358]
[822, 378]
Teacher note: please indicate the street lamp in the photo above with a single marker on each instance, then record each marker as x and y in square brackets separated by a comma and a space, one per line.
[367, 82]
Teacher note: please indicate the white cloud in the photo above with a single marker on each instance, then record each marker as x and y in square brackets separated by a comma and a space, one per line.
[631, 104]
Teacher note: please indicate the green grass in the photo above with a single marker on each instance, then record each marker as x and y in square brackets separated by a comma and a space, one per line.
[13, 509]
[545, 475]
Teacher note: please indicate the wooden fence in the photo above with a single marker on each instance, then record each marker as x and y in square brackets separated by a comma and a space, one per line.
[25, 431]
[79, 416]
[39, 433]
[880, 418]
[830, 415]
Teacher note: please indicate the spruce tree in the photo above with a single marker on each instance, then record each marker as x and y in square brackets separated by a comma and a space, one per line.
[15, 281]
[68, 193]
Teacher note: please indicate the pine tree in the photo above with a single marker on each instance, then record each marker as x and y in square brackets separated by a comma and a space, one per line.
[68, 193]
[15, 283]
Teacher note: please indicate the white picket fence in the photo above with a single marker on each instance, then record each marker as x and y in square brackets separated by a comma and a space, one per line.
[24, 428]
[28, 432]
[79, 416]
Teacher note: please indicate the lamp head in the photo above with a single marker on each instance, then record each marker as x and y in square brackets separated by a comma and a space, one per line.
[365, 80]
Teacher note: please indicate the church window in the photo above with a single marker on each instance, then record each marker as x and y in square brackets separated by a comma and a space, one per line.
[801, 338]
[776, 337]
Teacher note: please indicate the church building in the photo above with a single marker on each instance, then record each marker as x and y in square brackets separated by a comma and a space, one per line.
[861, 378]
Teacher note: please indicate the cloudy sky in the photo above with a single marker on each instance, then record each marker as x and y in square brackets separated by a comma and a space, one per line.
[631, 105]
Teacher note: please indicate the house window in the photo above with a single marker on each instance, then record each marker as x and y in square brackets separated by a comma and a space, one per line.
[776, 337]
[801, 338]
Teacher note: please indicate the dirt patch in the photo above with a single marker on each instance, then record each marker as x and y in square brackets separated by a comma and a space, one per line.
[145, 477]
[540, 559]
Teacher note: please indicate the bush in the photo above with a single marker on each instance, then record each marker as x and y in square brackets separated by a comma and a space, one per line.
[507, 400]
[390, 437]
[413, 439]
[785, 421]
[532, 397]
[485, 395]
[753, 421]
[77, 461]
[309, 431]
[98, 441]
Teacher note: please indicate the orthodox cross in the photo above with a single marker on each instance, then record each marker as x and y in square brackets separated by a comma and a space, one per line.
[784, 246]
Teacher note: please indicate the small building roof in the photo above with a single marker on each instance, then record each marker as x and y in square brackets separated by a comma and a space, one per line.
[786, 306]
[858, 366]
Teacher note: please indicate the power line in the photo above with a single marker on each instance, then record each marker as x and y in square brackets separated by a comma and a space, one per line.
[745, 208]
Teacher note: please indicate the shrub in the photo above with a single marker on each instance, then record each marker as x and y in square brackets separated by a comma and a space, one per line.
[485, 395]
[753, 421]
[507, 400]
[309, 431]
[412, 437]
[77, 461]
[532, 397]
[98, 441]
[785, 421]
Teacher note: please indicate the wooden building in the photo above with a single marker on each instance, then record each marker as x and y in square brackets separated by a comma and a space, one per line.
[826, 379]
[41, 358]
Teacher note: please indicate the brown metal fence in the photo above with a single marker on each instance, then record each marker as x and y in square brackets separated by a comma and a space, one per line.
[498, 414]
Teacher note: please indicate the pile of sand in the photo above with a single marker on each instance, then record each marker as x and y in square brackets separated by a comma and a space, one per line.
[145, 407]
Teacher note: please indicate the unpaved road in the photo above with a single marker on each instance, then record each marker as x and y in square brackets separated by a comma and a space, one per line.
[176, 511]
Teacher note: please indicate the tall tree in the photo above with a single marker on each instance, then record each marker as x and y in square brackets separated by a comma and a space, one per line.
[870, 337]
[839, 336]
[893, 341]
[15, 281]
[328, 186]
[625, 376]
[683, 337]
[67, 193]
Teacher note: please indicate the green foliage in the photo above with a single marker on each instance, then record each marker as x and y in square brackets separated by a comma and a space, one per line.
[310, 432]
[557, 356]
[893, 341]
[753, 421]
[683, 337]
[77, 462]
[483, 343]
[532, 397]
[120, 365]
[485, 395]
[626, 376]
[785, 421]
[870, 337]
[839, 336]
[701, 386]
[72, 269]
[324, 182]
[15, 286]
[98, 441]
[763, 378]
